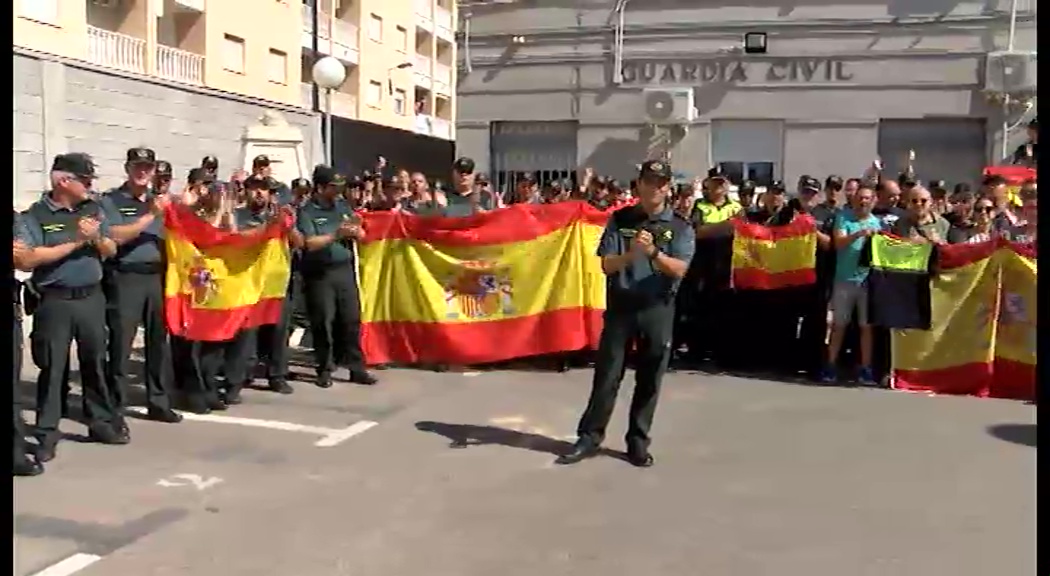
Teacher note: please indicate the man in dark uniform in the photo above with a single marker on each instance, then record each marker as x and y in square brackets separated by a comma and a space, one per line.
[645, 251]
[210, 164]
[67, 238]
[269, 342]
[135, 285]
[162, 178]
[261, 167]
[23, 464]
[465, 199]
[329, 228]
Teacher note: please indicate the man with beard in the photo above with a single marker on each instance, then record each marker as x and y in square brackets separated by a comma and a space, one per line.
[66, 238]
[329, 228]
[268, 343]
[261, 168]
[135, 286]
[525, 191]
[645, 251]
[887, 209]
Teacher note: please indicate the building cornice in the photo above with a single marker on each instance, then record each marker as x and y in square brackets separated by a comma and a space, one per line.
[808, 27]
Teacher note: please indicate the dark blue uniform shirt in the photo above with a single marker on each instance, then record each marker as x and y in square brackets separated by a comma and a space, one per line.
[122, 208]
[247, 219]
[317, 219]
[641, 283]
[48, 224]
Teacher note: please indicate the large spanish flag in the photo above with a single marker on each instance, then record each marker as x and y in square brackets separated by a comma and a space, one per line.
[982, 340]
[221, 282]
[510, 283]
[771, 257]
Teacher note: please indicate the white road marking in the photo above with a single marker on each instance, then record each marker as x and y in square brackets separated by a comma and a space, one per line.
[330, 436]
[339, 436]
[471, 374]
[297, 337]
[71, 565]
[195, 480]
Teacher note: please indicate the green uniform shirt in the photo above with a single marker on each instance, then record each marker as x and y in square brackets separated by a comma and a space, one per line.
[48, 224]
[316, 219]
[121, 208]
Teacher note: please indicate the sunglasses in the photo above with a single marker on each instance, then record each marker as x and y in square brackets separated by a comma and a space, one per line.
[920, 201]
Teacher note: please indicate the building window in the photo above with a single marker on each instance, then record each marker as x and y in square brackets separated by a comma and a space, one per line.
[375, 28]
[277, 67]
[233, 54]
[748, 149]
[402, 39]
[400, 98]
[45, 11]
[374, 97]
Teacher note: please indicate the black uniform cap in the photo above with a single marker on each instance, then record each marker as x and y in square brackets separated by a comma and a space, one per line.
[355, 182]
[164, 169]
[527, 177]
[463, 165]
[256, 182]
[482, 179]
[200, 176]
[807, 183]
[657, 168]
[261, 161]
[210, 163]
[141, 155]
[747, 187]
[834, 182]
[777, 187]
[717, 173]
[76, 163]
[325, 175]
[300, 183]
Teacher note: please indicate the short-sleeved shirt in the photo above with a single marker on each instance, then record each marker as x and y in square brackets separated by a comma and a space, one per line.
[936, 229]
[459, 206]
[847, 258]
[121, 208]
[640, 283]
[48, 224]
[247, 219]
[318, 219]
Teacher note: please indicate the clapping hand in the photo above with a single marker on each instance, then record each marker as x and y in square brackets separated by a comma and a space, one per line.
[643, 242]
[88, 229]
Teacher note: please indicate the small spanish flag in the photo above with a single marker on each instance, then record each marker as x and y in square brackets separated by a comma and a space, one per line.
[772, 257]
[220, 282]
[510, 283]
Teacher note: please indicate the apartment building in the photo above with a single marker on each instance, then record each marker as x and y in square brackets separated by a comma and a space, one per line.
[547, 87]
[188, 76]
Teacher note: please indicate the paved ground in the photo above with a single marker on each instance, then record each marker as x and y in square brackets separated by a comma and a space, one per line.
[752, 478]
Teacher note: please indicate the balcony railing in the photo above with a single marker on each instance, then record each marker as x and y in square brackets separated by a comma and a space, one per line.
[114, 50]
[441, 128]
[442, 73]
[179, 65]
[308, 22]
[421, 64]
[343, 104]
[425, 8]
[443, 22]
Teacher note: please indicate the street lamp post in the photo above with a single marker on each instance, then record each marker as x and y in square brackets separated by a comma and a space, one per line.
[329, 74]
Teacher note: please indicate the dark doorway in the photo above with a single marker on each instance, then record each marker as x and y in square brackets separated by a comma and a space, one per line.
[356, 145]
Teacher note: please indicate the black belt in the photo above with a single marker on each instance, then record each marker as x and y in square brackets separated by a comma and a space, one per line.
[139, 267]
[318, 268]
[63, 293]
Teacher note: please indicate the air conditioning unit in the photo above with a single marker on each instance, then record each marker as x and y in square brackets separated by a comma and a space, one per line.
[106, 3]
[1010, 72]
[669, 105]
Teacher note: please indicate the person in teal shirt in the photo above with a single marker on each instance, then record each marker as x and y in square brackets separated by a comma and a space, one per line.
[849, 296]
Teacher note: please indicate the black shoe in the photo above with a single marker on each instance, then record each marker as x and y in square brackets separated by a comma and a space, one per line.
[640, 459]
[166, 415]
[363, 377]
[216, 404]
[45, 451]
[324, 380]
[232, 397]
[281, 387]
[107, 434]
[196, 405]
[121, 426]
[26, 466]
[580, 452]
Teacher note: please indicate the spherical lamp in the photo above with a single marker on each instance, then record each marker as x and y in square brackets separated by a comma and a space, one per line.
[328, 73]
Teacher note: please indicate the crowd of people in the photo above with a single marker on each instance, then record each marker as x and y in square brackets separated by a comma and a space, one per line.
[97, 265]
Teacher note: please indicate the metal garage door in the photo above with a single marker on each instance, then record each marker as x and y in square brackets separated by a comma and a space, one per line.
[546, 149]
[748, 149]
[945, 149]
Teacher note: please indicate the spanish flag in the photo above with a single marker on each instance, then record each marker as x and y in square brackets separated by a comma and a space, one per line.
[771, 257]
[515, 282]
[1015, 176]
[982, 340]
[221, 282]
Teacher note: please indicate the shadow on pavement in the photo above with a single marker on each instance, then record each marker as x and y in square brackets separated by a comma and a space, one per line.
[1023, 434]
[464, 435]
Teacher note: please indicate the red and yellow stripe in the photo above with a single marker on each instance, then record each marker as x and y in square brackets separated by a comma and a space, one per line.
[983, 338]
[771, 257]
[510, 283]
[220, 282]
